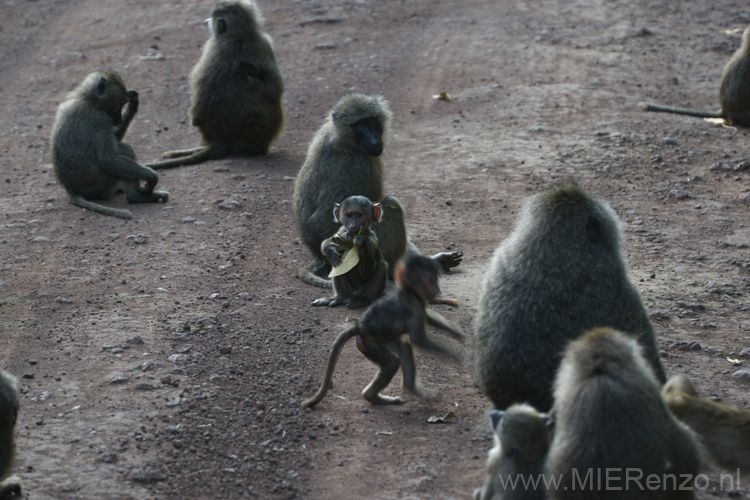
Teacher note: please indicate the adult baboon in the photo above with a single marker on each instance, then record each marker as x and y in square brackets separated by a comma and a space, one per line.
[614, 436]
[236, 89]
[734, 90]
[560, 272]
[8, 415]
[384, 326]
[723, 429]
[344, 160]
[90, 159]
[515, 464]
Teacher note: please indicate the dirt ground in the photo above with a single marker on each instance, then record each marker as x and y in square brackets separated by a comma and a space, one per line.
[166, 356]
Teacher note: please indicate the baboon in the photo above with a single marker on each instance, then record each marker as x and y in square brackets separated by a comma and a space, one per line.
[8, 414]
[364, 282]
[344, 160]
[614, 436]
[383, 326]
[560, 272]
[236, 89]
[723, 429]
[522, 438]
[90, 159]
[734, 90]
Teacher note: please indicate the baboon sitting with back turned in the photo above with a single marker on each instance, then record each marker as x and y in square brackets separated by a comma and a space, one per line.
[236, 89]
[344, 160]
[614, 436]
[90, 159]
[723, 429]
[8, 414]
[522, 438]
[560, 272]
[384, 327]
[734, 90]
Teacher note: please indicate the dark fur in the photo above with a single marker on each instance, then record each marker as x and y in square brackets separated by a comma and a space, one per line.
[522, 438]
[560, 272]
[90, 159]
[734, 90]
[609, 414]
[9, 398]
[236, 89]
[723, 429]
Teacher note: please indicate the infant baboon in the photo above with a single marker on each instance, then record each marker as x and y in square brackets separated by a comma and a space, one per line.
[384, 326]
[8, 414]
[365, 281]
[236, 89]
[734, 90]
[90, 159]
[614, 436]
[560, 272]
[723, 429]
[516, 463]
[344, 160]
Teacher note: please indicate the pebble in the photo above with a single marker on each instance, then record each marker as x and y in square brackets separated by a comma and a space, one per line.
[742, 375]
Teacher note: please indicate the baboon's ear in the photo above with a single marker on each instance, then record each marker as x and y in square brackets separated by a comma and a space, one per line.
[101, 86]
[399, 274]
[495, 417]
[337, 212]
[377, 212]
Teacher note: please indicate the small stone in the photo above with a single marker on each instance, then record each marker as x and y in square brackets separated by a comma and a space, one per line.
[225, 349]
[742, 375]
[687, 346]
[145, 386]
[137, 340]
[179, 359]
[120, 379]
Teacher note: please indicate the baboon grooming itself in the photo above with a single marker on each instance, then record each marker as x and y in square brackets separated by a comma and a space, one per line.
[365, 282]
[344, 160]
[384, 325]
[560, 272]
[522, 438]
[90, 159]
[8, 414]
[723, 429]
[614, 436]
[734, 90]
[236, 89]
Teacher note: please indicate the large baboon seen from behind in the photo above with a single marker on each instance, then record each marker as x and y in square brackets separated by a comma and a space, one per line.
[236, 88]
[560, 272]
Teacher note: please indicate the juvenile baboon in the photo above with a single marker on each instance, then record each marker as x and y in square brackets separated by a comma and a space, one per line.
[236, 89]
[365, 282]
[384, 325]
[516, 463]
[723, 429]
[8, 414]
[614, 436]
[734, 90]
[344, 160]
[560, 272]
[90, 159]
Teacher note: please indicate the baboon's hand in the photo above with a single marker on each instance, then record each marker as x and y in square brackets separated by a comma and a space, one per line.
[132, 96]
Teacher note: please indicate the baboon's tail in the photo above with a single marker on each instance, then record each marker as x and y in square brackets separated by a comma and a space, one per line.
[187, 157]
[680, 111]
[333, 356]
[80, 201]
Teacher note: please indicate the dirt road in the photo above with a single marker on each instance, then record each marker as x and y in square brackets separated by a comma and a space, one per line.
[166, 356]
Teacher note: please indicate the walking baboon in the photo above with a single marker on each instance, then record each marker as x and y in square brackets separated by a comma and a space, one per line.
[560, 272]
[8, 414]
[344, 160]
[364, 282]
[90, 159]
[383, 326]
[723, 429]
[516, 463]
[734, 90]
[236, 89]
[614, 436]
